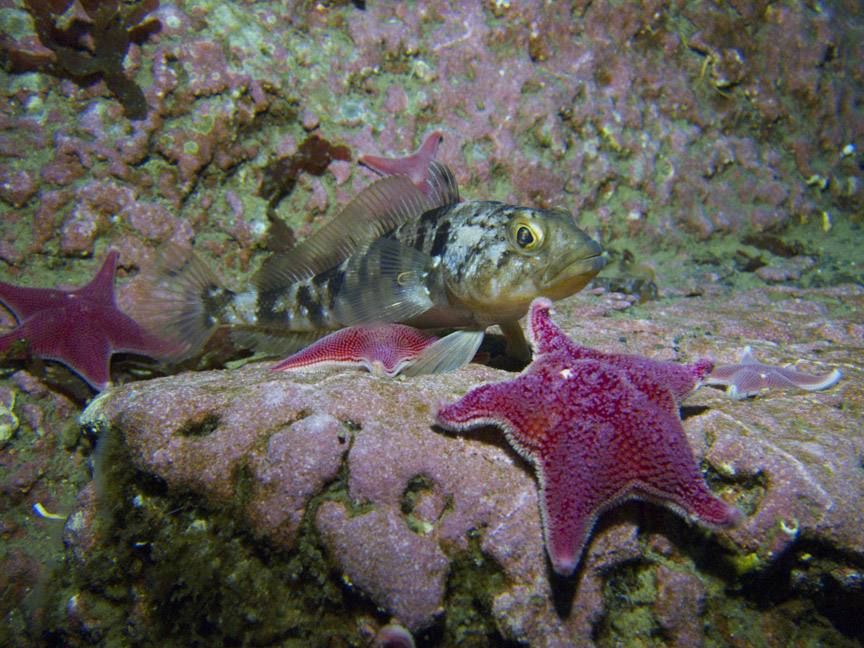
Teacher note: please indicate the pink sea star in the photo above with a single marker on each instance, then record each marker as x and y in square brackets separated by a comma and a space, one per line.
[599, 428]
[81, 328]
[383, 350]
[415, 166]
[751, 377]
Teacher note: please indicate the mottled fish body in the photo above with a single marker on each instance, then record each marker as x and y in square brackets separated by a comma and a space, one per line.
[394, 254]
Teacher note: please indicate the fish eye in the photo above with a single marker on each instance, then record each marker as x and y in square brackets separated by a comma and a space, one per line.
[527, 235]
[524, 237]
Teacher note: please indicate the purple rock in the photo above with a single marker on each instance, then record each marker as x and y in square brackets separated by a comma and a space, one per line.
[17, 186]
[659, 142]
[401, 570]
[417, 496]
[293, 467]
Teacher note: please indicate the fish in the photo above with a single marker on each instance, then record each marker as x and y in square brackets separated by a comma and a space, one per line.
[394, 254]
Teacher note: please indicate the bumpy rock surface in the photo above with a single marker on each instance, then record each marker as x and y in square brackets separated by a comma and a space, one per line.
[413, 498]
[657, 122]
[709, 147]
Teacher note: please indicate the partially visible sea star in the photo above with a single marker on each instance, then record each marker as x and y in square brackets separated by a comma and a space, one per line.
[81, 328]
[415, 166]
[751, 377]
[383, 350]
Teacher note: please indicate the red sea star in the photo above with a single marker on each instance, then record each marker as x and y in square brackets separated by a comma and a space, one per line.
[599, 428]
[415, 166]
[81, 328]
[387, 350]
[383, 350]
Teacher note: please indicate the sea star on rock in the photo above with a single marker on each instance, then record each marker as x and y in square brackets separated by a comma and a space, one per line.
[599, 428]
[81, 328]
[415, 166]
[751, 377]
[387, 350]
[383, 350]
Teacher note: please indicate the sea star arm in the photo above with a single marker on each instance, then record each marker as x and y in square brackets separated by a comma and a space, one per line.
[80, 328]
[649, 374]
[516, 406]
[100, 290]
[415, 166]
[382, 350]
[87, 351]
[751, 377]
[23, 302]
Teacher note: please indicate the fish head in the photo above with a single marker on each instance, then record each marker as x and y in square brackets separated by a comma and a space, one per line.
[518, 255]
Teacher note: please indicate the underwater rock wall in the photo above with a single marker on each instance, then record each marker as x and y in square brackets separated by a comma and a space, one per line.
[654, 121]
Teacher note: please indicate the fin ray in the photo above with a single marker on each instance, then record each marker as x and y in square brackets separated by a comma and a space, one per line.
[385, 283]
[443, 189]
[517, 344]
[378, 209]
[181, 299]
[447, 354]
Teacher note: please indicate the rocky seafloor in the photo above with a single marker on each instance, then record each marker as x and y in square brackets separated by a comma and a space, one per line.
[714, 149]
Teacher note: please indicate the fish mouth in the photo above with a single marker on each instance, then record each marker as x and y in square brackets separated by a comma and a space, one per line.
[572, 271]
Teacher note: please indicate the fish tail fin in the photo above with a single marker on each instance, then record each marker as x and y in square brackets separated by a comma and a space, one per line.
[183, 300]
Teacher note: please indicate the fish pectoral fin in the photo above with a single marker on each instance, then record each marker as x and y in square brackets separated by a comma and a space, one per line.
[375, 211]
[385, 282]
[517, 345]
[449, 353]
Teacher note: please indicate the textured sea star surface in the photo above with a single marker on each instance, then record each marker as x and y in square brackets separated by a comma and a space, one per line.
[383, 350]
[81, 328]
[599, 428]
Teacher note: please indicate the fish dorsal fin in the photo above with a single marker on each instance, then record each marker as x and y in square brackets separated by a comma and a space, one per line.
[379, 208]
[442, 187]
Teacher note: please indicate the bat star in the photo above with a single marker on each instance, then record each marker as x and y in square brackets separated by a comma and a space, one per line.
[599, 428]
[383, 350]
[80, 328]
[415, 166]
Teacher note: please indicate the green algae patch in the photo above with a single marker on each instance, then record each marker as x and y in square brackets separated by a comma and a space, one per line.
[42, 471]
[629, 591]
[205, 426]
[157, 550]
[745, 491]
[475, 579]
